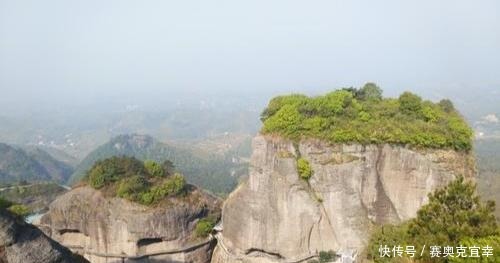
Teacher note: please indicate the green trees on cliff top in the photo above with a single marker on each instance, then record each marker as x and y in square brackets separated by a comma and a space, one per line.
[143, 182]
[364, 116]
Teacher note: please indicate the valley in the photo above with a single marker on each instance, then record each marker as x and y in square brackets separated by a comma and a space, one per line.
[249, 131]
[343, 190]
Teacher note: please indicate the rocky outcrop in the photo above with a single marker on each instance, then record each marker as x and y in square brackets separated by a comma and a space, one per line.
[106, 230]
[23, 243]
[37, 196]
[277, 217]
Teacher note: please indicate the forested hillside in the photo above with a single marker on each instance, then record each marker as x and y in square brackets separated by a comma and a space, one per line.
[30, 165]
[215, 173]
[59, 171]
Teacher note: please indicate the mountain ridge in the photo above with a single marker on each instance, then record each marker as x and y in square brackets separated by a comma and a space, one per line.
[33, 164]
[276, 215]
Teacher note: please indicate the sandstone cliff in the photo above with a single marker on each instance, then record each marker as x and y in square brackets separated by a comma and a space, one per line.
[24, 243]
[277, 217]
[105, 229]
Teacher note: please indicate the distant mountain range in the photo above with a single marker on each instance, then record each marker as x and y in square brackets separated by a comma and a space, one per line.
[57, 154]
[31, 164]
[79, 130]
[215, 173]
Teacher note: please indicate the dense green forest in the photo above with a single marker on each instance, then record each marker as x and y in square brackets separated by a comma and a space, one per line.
[364, 116]
[215, 173]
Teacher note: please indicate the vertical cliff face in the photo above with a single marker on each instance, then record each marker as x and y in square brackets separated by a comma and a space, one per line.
[108, 230]
[277, 217]
[24, 243]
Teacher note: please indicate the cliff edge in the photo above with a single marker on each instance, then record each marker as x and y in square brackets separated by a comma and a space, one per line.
[24, 243]
[111, 229]
[276, 216]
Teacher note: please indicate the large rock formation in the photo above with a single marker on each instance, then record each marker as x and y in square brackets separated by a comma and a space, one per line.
[24, 243]
[106, 230]
[277, 217]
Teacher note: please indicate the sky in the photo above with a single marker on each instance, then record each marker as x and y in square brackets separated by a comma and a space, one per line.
[72, 51]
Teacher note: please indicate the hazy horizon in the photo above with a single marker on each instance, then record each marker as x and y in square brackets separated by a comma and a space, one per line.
[79, 53]
[142, 130]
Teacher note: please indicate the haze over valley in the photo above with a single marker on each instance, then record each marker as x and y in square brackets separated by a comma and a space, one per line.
[249, 132]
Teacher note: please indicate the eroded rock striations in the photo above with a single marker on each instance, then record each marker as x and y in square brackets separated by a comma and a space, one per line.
[23, 243]
[106, 229]
[277, 217]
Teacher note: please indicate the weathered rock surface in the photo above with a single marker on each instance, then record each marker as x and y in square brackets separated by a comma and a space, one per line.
[105, 229]
[23, 243]
[276, 217]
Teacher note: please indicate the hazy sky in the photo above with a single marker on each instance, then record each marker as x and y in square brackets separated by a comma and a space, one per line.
[77, 50]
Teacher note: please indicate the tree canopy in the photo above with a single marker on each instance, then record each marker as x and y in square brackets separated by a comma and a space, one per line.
[453, 216]
[143, 182]
[363, 116]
